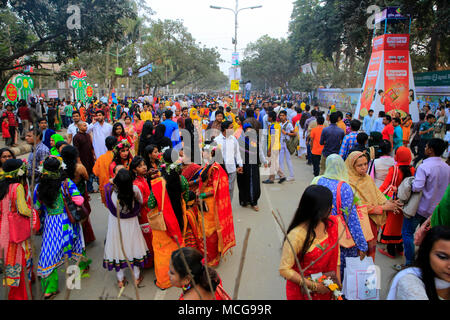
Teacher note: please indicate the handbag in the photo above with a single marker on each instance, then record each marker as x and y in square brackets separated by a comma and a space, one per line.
[292, 143]
[391, 190]
[347, 240]
[409, 198]
[19, 225]
[156, 217]
[75, 213]
[363, 217]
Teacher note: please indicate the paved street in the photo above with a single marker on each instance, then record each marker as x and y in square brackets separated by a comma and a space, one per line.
[260, 278]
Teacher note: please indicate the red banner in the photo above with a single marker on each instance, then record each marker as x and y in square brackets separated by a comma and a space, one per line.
[391, 42]
[371, 81]
[11, 92]
[396, 82]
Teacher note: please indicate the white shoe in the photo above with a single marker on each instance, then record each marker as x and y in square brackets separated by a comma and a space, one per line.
[290, 179]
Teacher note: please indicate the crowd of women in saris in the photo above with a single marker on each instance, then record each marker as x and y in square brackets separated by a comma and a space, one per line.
[158, 199]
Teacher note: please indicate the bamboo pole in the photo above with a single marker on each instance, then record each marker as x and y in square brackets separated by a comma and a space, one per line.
[303, 284]
[205, 249]
[241, 265]
[187, 268]
[31, 192]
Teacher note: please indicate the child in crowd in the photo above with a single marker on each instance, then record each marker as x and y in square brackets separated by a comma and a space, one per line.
[5, 131]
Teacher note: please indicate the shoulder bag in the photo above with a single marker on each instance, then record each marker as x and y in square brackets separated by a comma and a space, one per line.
[391, 190]
[363, 217]
[75, 213]
[292, 143]
[345, 241]
[156, 217]
[19, 225]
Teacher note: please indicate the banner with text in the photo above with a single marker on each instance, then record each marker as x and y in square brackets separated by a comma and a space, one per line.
[370, 83]
[396, 82]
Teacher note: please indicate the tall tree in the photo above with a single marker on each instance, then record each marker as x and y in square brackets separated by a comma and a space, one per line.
[36, 32]
[268, 62]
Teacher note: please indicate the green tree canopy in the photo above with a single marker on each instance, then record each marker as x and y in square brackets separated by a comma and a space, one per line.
[268, 63]
[36, 32]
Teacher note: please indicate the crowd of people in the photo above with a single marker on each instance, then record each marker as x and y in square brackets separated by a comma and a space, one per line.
[166, 171]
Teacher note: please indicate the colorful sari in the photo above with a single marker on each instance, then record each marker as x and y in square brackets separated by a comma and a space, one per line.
[142, 184]
[101, 170]
[83, 114]
[60, 238]
[163, 241]
[191, 233]
[219, 228]
[327, 263]
[16, 257]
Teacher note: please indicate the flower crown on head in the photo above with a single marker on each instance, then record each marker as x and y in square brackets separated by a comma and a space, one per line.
[209, 147]
[52, 174]
[19, 172]
[169, 166]
[122, 144]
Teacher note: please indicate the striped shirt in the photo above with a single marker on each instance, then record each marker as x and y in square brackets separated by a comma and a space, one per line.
[347, 144]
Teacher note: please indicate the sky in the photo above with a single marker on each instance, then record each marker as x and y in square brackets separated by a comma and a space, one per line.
[215, 28]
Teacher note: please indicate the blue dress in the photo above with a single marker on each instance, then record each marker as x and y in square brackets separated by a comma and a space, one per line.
[353, 222]
[60, 235]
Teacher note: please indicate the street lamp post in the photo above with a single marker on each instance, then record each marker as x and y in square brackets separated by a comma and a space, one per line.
[235, 11]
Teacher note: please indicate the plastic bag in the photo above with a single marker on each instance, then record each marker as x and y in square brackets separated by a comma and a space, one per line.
[361, 279]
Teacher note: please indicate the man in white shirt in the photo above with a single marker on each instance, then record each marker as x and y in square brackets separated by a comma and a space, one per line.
[101, 130]
[369, 122]
[287, 131]
[231, 155]
[73, 127]
[291, 113]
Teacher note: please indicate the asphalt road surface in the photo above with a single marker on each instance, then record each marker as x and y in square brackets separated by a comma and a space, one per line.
[260, 278]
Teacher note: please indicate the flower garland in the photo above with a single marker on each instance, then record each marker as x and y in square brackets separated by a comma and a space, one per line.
[169, 166]
[52, 174]
[19, 172]
[327, 282]
[122, 144]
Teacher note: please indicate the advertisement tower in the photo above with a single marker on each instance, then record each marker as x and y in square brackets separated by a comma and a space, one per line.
[389, 82]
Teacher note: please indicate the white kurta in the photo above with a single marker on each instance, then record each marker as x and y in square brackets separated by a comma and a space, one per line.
[133, 241]
[100, 133]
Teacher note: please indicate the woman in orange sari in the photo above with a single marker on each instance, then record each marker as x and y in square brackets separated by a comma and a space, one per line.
[215, 206]
[168, 195]
[406, 127]
[191, 172]
[83, 113]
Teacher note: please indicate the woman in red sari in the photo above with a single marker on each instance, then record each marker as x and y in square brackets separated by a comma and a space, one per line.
[15, 233]
[391, 232]
[214, 192]
[179, 277]
[119, 132]
[311, 228]
[138, 170]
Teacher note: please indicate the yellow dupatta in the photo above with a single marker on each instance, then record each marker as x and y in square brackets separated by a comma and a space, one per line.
[365, 188]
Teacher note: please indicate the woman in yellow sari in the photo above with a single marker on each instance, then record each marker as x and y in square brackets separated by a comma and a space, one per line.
[369, 195]
[168, 195]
